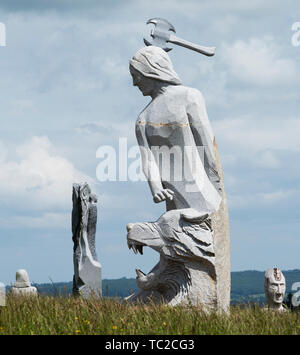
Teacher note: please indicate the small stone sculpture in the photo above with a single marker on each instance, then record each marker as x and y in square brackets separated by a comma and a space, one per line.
[22, 285]
[180, 161]
[275, 289]
[87, 270]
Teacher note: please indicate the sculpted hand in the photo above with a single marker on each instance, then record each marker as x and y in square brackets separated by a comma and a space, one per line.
[163, 195]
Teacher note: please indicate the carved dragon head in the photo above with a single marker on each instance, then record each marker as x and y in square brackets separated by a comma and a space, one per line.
[180, 237]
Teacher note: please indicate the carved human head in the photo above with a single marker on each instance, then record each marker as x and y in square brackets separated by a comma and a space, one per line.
[149, 65]
[274, 287]
[145, 85]
[22, 279]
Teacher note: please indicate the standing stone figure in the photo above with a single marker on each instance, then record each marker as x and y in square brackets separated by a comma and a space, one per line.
[180, 160]
[87, 269]
[275, 289]
[23, 286]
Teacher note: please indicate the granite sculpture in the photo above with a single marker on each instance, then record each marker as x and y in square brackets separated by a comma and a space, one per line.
[22, 286]
[275, 287]
[180, 161]
[87, 269]
[186, 269]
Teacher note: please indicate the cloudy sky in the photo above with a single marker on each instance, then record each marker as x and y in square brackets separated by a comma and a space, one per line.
[65, 90]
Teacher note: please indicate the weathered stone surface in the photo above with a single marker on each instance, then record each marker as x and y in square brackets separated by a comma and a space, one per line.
[87, 270]
[22, 285]
[186, 270]
[275, 287]
[220, 226]
[181, 163]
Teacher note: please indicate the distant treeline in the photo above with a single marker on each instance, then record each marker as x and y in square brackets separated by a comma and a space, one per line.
[245, 286]
[110, 288]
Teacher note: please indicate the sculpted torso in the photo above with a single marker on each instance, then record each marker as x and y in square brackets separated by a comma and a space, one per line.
[176, 118]
[165, 118]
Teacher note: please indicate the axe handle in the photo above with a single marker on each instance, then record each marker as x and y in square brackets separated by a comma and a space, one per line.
[209, 51]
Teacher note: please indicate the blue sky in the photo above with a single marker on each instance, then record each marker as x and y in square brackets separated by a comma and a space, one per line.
[66, 90]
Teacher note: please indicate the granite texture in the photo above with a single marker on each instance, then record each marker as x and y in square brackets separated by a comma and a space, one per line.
[275, 287]
[87, 269]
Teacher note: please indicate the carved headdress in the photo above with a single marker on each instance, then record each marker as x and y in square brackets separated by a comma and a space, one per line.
[275, 274]
[153, 62]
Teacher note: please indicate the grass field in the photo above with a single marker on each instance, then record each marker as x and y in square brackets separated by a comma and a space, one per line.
[67, 315]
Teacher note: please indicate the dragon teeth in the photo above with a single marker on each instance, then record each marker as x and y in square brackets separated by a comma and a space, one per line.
[137, 248]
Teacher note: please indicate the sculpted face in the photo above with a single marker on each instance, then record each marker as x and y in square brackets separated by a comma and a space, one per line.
[276, 291]
[275, 287]
[145, 85]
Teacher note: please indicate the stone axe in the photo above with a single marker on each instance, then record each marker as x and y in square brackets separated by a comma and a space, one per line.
[162, 33]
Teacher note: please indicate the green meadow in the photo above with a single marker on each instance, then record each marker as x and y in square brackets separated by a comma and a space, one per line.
[68, 315]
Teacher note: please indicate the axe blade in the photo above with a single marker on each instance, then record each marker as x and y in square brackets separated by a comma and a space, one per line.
[163, 33]
[161, 24]
[160, 33]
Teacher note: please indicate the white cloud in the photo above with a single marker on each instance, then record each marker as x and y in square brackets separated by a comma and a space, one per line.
[39, 179]
[95, 128]
[224, 24]
[267, 160]
[45, 220]
[253, 134]
[259, 61]
[261, 199]
[276, 196]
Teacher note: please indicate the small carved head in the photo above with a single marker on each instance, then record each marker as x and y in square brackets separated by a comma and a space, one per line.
[151, 67]
[274, 286]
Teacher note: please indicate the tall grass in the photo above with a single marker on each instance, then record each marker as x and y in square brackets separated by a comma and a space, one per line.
[67, 315]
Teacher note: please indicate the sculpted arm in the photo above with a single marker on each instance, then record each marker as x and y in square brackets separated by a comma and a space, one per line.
[150, 167]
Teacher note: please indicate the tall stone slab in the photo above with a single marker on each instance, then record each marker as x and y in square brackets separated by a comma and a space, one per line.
[220, 226]
[87, 269]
